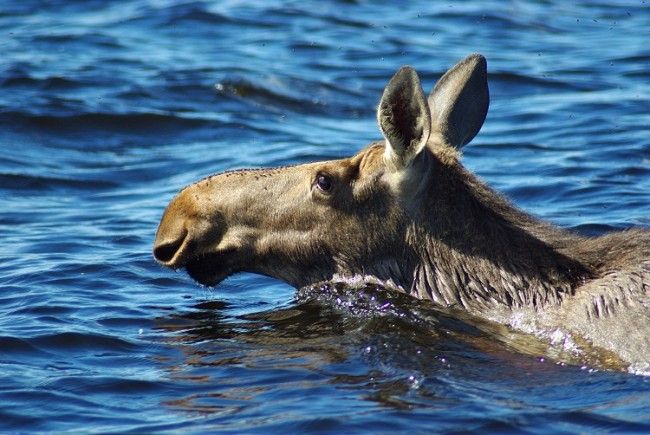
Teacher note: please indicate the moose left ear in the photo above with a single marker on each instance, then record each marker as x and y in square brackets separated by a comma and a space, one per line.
[403, 117]
[459, 102]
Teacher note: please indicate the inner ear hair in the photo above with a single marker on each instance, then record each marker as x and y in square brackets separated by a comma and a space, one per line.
[403, 116]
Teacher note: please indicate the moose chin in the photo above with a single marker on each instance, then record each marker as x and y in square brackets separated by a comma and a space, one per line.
[405, 211]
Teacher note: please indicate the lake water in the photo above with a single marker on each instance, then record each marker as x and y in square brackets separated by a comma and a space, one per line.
[107, 109]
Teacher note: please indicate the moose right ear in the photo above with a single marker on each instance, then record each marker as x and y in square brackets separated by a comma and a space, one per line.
[459, 102]
[403, 117]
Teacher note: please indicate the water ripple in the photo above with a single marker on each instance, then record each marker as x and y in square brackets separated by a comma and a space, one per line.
[108, 109]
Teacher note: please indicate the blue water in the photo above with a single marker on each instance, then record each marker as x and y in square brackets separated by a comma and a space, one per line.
[108, 108]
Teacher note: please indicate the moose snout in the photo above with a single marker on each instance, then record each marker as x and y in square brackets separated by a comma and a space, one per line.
[172, 237]
[168, 245]
[185, 231]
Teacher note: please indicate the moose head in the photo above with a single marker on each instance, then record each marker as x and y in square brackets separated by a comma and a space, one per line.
[348, 217]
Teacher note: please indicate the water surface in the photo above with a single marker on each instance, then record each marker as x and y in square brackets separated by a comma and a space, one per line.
[108, 108]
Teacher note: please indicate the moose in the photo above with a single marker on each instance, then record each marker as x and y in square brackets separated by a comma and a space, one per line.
[404, 212]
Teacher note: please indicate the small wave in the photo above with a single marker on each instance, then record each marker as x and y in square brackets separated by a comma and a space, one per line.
[195, 12]
[18, 421]
[68, 341]
[46, 83]
[510, 79]
[592, 229]
[307, 44]
[247, 90]
[296, 95]
[97, 39]
[37, 182]
[507, 147]
[105, 384]
[137, 123]
[630, 171]
[189, 15]
[13, 345]
[546, 192]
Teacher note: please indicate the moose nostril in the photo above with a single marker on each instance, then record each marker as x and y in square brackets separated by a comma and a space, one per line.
[165, 252]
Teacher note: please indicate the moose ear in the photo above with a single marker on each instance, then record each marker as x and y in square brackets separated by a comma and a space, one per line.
[403, 117]
[459, 102]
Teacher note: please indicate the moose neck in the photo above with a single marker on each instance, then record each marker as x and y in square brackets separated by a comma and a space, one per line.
[478, 250]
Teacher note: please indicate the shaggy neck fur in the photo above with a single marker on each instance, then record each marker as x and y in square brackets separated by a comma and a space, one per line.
[479, 251]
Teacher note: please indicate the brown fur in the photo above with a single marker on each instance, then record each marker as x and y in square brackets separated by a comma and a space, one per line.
[406, 213]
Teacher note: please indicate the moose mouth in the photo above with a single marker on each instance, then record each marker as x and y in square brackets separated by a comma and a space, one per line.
[210, 269]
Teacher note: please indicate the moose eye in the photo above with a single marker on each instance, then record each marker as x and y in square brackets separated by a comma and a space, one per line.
[324, 182]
